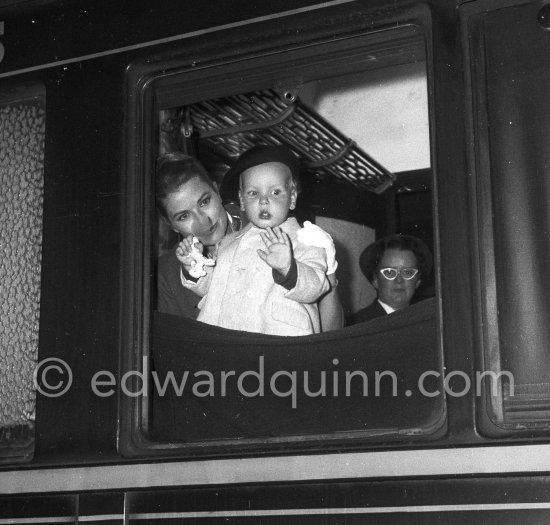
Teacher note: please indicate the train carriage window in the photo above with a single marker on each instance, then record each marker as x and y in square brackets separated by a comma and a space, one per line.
[22, 128]
[512, 159]
[356, 112]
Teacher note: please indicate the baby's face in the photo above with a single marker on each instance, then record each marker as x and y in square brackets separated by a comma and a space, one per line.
[267, 193]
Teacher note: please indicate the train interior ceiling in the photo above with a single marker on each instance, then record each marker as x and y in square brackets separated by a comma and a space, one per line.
[363, 137]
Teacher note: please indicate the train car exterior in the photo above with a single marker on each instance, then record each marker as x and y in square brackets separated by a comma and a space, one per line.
[435, 117]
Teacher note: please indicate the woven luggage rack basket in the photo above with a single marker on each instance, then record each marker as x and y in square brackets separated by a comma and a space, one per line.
[232, 125]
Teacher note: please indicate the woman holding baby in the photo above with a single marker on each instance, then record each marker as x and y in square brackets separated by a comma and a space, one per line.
[270, 275]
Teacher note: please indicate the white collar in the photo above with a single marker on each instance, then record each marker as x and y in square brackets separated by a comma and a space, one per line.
[387, 307]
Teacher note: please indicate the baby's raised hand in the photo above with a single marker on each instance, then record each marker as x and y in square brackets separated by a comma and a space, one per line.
[278, 252]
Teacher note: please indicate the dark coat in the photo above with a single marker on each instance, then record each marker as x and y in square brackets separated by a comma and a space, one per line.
[371, 311]
[172, 297]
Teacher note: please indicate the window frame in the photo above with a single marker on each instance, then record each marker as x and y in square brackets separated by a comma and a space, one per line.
[155, 77]
[489, 409]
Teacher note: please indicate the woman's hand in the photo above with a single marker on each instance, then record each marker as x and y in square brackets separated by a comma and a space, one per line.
[190, 255]
[184, 249]
[278, 253]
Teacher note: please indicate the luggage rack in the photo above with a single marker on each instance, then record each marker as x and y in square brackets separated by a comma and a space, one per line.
[231, 125]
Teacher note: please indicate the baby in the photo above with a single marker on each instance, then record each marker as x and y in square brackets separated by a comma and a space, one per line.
[264, 280]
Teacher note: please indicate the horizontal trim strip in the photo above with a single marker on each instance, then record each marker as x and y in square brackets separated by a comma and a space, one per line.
[361, 465]
[101, 517]
[173, 38]
[59, 519]
[418, 509]
[322, 511]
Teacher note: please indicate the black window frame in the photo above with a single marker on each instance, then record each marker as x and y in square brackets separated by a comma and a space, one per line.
[490, 415]
[198, 64]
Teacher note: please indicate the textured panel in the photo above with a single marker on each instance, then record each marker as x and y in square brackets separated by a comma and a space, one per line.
[231, 125]
[22, 127]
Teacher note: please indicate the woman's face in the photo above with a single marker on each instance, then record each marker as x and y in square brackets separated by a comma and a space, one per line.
[196, 209]
[399, 292]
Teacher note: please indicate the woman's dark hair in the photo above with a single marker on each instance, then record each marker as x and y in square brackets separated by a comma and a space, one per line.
[173, 171]
[373, 253]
